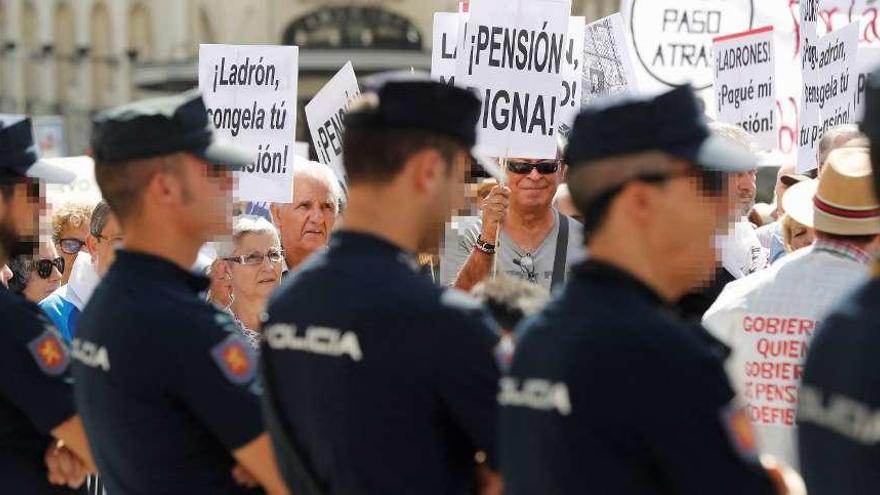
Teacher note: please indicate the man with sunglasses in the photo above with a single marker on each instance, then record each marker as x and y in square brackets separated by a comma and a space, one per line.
[531, 240]
[36, 399]
[164, 381]
[65, 304]
[609, 392]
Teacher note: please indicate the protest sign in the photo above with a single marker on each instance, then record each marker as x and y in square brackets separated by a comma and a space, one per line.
[673, 38]
[514, 58]
[326, 114]
[608, 67]
[84, 188]
[250, 92]
[745, 93]
[572, 73]
[301, 149]
[828, 93]
[443, 52]
[868, 61]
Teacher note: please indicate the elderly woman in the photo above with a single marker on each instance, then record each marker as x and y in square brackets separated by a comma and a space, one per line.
[35, 277]
[251, 264]
[796, 235]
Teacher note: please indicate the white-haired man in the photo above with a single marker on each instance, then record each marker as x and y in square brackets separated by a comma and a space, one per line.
[305, 225]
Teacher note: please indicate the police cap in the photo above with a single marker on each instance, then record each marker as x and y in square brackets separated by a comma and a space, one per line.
[161, 126]
[18, 153]
[412, 101]
[670, 122]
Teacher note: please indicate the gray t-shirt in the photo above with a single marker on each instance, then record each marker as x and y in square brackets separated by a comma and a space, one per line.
[461, 236]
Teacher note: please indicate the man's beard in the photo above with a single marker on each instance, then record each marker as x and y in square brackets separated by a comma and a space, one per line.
[11, 245]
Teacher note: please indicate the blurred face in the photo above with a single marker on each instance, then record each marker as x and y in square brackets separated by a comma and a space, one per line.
[532, 187]
[445, 195]
[39, 287]
[743, 187]
[305, 224]
[781, 188]
[207, 197]
[260, 272]
[19, 220]
[71, 237]
[105, 246]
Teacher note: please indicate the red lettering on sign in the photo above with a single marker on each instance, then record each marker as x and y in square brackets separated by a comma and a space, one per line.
[768, 415]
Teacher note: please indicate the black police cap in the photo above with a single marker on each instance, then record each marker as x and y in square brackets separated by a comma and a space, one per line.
[412, 101]
[18, 153]
[161, 126]
[670, 122]
[870, 125]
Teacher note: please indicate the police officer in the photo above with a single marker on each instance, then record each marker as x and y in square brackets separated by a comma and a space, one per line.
[839, 400]
[382, 382]
[36, 397]
[609, 392]
[164, 382]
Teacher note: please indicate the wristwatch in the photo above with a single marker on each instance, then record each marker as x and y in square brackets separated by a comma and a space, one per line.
[484, 246]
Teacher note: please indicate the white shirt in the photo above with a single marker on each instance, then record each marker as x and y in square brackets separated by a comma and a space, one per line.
[82, 282]
[768, 319]
[741, 251]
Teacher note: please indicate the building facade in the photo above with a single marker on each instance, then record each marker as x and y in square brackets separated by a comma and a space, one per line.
[75, 57]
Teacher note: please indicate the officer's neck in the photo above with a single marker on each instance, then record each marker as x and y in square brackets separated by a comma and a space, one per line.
[182, 250]
[384, 214]
[634, 259]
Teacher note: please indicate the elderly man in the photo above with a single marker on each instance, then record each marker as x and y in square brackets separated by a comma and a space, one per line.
[840, 136]
[65, 305]
[70, 227]
[305, 225]
[768, 319]
[537, 242]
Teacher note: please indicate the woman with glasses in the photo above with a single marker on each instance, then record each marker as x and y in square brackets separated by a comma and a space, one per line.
[35, 277]
[252, 262]
[70, 226]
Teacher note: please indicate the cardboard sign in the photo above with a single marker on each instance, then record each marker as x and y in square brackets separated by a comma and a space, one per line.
[572, 73]
[745, 92]
[608, 68]
[444, 50]
[514, 57]
[326, 113]
[250, 92]
[830, 79]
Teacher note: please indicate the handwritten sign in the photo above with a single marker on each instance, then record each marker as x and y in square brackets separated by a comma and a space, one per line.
[326, 114]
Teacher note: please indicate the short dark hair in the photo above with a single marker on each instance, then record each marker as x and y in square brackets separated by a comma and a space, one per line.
[377, 155]
[100, 217]
[123, 183]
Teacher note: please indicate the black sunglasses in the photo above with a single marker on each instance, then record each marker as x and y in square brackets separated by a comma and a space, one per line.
[44, 266]
[523, 168]
[71, 245]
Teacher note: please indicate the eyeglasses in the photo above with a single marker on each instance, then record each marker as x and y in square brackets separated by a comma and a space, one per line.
[71, 245]
[255, 259]
[44, 266]
[543, 168]
[115, 241]
[527, 264]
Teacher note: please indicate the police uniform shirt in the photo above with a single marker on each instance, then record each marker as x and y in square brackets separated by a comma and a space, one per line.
[164, 382]
[839, 402]
[611, 393]
[35, 395]
[386, 382]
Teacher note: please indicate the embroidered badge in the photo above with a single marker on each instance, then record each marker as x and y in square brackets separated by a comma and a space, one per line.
[738, 426]
[49, 353]
[236, 359]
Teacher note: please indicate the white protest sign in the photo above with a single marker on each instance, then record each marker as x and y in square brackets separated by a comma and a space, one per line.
[250, 92]
[673, 38]
[828, 90]
[514, 58]
[326, 114]
[301, 149]
[608, 67]
[868, 61]
[84, 188]
[443, 52]
[745, 93]
[572, 70]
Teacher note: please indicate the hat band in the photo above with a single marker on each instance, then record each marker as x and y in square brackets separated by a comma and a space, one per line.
[843, 212]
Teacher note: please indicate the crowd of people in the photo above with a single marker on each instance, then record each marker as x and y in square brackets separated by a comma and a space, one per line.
[635, 324]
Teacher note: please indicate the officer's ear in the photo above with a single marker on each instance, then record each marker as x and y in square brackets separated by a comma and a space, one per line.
[638, 201]
[429, 170]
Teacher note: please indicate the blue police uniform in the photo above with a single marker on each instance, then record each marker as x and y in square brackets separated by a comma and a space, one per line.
[610, 393]
[387, 381]
[35, 390]
[164, 382]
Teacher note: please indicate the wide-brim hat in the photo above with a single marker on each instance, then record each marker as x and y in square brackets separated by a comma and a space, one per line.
[842, 201]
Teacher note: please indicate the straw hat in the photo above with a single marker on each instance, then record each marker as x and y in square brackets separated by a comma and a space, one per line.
[842, 201]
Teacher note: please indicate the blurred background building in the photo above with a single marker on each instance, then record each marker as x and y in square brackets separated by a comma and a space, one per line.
[64, 60]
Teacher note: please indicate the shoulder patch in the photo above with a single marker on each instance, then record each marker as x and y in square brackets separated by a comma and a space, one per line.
[236, 359]
[49, 353]
[739, 429]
